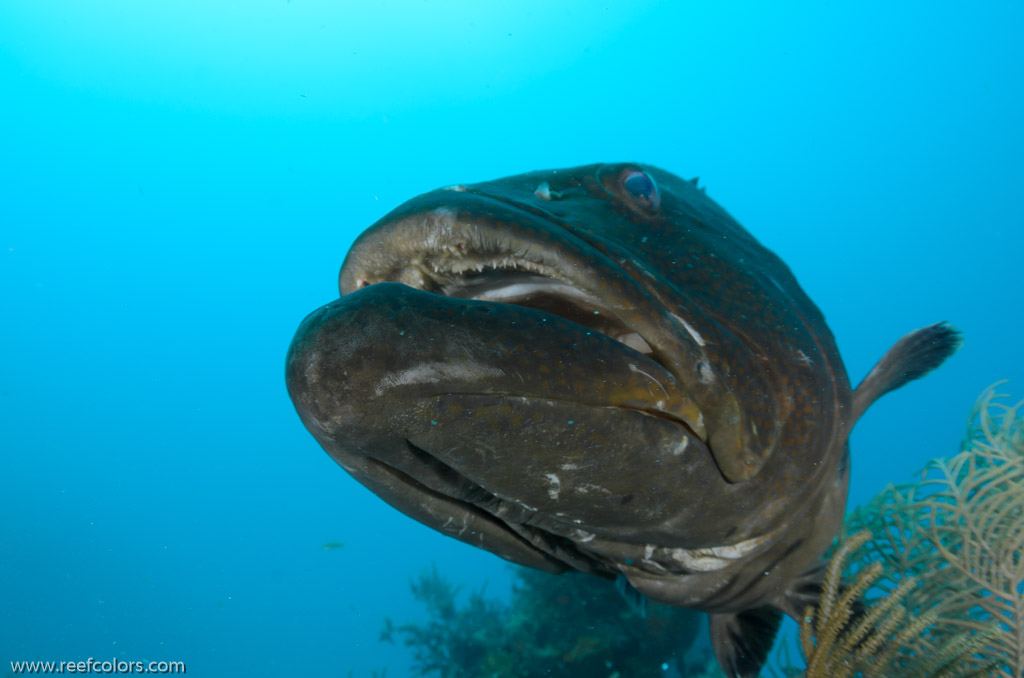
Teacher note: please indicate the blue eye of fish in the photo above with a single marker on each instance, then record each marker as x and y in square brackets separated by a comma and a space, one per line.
[640, 186]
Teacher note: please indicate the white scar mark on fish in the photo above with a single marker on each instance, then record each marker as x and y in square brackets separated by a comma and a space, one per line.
[462, 525]
[707, 375]
[693, 333]
[802, 357]
[556, 485]
[709, 559]
[587, 487]
[432, 373]
[634, 368]
[569, 467]
[681, 447]
[582, 535]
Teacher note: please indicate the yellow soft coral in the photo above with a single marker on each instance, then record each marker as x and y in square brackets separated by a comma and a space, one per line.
[942, 563]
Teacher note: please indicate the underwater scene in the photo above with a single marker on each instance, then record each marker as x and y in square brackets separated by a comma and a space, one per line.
[426, 338]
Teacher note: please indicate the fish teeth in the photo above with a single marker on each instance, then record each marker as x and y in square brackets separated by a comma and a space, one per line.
[442, 265]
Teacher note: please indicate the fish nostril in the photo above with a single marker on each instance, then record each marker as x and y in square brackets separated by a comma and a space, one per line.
[544, 192]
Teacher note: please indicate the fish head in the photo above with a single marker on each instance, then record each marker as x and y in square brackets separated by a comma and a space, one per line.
[554, 367]
[598, 369]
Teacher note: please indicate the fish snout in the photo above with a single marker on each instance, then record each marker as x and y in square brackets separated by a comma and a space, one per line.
[444, 389]
[358, 365]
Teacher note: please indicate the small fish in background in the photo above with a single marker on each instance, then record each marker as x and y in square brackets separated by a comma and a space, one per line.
[332, 546]
[598, 369]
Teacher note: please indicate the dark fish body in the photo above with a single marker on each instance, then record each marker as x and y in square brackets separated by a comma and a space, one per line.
[598, 369]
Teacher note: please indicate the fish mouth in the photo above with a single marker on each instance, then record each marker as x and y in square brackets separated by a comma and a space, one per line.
[529, 324]
[495, 250]
[452, 270]
[497, 284]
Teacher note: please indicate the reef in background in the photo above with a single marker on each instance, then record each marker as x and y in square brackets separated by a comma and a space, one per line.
[926, 580]
[553, 625]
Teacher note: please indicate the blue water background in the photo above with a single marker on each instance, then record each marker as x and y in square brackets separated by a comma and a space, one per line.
[180, 180]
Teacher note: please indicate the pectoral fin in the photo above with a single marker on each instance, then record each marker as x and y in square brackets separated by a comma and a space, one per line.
[742, 640]
[913, 356]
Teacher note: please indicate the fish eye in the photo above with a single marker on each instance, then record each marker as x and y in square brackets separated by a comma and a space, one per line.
[640, 186]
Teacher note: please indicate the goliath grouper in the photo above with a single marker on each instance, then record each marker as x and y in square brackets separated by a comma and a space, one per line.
[598, 369]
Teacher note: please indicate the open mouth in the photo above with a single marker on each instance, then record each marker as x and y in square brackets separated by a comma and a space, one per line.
[547, 294]
[527, 261]
[477, 247]
[445, 256]
[521, 283]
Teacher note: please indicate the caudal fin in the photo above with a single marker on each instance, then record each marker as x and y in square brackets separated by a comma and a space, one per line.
[913, 356]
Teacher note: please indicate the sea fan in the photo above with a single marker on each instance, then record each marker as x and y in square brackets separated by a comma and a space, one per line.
[943, 557]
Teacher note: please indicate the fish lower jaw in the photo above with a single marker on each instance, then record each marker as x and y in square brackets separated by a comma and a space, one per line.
[443, 253]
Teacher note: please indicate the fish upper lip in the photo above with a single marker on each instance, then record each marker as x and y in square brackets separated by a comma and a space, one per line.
[430, 247]
[437, 240]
